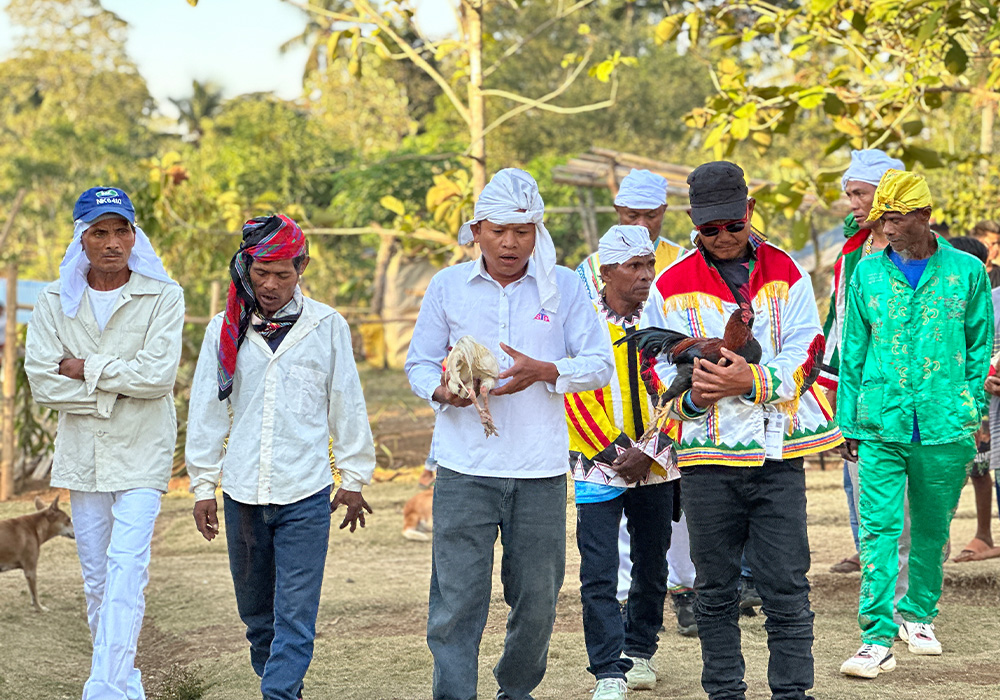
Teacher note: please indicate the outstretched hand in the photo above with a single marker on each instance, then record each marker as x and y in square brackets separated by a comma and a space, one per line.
[356, 507]
[524, 372]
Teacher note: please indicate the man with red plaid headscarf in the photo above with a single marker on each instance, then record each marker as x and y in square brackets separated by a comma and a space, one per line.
[284, 366]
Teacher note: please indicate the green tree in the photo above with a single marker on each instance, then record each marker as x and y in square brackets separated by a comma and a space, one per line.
[204, 103]
[863, 73]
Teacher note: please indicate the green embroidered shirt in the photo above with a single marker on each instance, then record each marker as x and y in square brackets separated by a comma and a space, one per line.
[923, 351]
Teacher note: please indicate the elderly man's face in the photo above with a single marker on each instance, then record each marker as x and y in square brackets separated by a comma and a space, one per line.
[108, 245]
[274, 283]
[861, 195]
[506, 248]
[652, 219]
[903, 231]
[631, 280]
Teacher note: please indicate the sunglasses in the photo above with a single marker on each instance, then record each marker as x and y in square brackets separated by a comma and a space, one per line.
[732, 227]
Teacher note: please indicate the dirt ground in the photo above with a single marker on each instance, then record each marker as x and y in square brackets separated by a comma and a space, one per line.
[370, 642]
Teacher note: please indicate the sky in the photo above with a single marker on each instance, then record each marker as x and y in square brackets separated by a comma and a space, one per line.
[233, 43]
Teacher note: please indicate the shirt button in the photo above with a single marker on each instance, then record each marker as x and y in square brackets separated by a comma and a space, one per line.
[503, 325]
[101, 433]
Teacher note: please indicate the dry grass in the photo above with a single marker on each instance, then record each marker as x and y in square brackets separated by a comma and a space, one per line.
[371, 628]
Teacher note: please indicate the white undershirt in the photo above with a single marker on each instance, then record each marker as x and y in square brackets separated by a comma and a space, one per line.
[103, 303]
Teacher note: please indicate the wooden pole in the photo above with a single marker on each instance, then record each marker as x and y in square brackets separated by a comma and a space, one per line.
[9, 380]
[473, 14]
[214, 294]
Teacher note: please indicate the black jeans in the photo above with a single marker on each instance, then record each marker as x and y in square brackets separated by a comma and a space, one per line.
[648, 509]
[764, 510]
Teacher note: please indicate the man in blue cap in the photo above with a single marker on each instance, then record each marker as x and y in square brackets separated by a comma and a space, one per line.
[103, 347]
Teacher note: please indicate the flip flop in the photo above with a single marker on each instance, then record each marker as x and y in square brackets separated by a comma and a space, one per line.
[974, 551]
[845, 566]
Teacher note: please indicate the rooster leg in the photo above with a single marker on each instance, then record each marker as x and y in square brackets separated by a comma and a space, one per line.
[486, 417]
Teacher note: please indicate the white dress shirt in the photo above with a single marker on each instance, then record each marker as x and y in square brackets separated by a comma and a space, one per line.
[533, 441]
[286, 405]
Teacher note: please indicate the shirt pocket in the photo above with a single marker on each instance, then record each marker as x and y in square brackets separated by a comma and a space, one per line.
[306, 393]
[870, 401]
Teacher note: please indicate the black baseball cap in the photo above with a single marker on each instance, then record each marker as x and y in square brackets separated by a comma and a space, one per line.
[718, 192]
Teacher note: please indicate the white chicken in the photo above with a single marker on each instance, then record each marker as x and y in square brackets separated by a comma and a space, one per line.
[470, 372]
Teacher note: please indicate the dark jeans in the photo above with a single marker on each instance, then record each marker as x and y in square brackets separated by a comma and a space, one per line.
[764, 510]
[276, 555]
[649, 510]
[469, 511]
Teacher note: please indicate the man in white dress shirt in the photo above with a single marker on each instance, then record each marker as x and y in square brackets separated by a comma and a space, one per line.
[294, 386]
[103, 347]
[537, 319]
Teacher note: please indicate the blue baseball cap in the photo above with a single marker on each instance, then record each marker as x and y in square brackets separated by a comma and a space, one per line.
[103, 200]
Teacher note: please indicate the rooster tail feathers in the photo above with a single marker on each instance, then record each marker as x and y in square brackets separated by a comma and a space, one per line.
[654, 341]
[814, 362]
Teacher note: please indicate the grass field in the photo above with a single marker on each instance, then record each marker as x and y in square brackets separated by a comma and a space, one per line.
[370, 641]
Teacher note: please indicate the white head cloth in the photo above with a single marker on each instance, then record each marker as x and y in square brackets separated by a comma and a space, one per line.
[869, 166]
[512, 197]
[74, 266]
[622, 243]
[642, 189]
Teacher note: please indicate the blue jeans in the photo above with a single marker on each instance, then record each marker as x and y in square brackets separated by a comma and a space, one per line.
[648, 509]
[276, 555]
[764, 510]
[852, 508]
[469, 511]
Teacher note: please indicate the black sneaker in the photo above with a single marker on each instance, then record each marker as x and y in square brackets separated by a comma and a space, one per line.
[749, 599]
[683, 604]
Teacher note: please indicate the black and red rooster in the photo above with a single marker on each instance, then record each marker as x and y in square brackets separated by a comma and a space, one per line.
[681, 350]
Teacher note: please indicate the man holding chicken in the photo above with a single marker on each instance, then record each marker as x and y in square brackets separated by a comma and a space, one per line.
[745, 428]
[536, 318]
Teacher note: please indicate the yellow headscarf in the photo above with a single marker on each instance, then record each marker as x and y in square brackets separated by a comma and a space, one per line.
[902, 191]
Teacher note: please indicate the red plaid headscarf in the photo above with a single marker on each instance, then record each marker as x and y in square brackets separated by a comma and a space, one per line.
[265, 239]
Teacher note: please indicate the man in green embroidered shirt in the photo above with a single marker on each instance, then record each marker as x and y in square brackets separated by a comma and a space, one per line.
[917, 341]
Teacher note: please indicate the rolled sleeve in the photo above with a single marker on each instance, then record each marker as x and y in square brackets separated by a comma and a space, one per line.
[208, 420]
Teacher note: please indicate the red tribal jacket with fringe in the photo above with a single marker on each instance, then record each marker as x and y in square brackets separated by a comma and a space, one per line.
[692, 298]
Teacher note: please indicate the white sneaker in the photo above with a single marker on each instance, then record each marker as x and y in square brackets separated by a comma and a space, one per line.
[920, 637]
[871, 660]
[642, 675]
[610, 689]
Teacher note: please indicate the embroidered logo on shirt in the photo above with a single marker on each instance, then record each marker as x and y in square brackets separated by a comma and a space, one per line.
[542, 316]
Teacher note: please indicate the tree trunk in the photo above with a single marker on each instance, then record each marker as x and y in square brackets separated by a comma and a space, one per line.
[9, 443]
[473, 11]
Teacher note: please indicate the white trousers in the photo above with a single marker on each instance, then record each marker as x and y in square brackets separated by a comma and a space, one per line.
[113, 536]
[680, 568]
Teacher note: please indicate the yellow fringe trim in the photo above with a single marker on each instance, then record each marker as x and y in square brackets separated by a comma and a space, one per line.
[777, 291]
[683, 302]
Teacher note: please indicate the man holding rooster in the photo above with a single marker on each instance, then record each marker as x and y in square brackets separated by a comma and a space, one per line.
[738, 327]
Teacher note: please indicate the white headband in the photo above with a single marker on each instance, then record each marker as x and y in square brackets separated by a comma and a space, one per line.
[512, 197]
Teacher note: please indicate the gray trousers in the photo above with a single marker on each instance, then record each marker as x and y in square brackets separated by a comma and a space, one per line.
[469, 512]
[903, 580]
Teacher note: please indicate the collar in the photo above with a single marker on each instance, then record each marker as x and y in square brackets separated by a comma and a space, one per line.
[612, 316]
[478, 269]
[292, 308]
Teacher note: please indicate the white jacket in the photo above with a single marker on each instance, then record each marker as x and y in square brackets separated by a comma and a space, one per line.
[692, 298]
[117, 428]
[286, 405]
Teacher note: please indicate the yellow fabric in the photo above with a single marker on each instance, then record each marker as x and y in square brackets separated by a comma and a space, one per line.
[666, 254]
[900, 191]
[592, 417]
